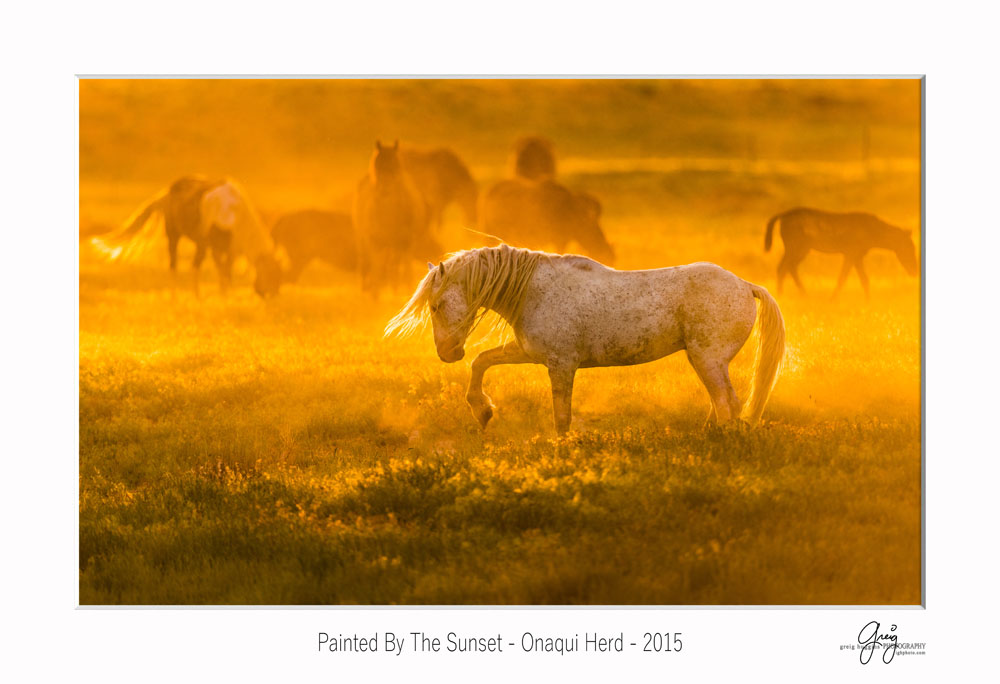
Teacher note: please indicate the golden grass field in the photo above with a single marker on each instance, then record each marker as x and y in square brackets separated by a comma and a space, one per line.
[236, 451]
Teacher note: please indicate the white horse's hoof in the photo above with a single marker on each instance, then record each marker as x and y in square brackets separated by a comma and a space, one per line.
[484, 416]
[483, 413]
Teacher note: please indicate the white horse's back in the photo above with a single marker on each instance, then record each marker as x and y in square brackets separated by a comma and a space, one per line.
[579, 308]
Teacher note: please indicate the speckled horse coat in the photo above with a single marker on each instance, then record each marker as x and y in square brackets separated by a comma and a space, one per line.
[570, 312]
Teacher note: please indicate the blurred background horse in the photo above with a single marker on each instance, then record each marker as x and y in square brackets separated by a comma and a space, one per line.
[392, 221]
[216, 215]
[852, 234]
[443, 179]
[544, 215]
[533, 158]
[312, 234]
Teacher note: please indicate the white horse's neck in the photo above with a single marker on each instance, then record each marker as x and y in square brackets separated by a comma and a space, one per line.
[493, 279]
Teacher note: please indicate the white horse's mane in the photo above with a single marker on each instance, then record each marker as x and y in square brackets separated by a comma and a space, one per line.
[493, 279]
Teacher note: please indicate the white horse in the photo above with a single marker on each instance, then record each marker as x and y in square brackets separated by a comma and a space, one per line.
[570, 312]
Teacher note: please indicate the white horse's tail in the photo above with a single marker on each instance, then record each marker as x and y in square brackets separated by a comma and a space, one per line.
[135, 233]
[770, 352]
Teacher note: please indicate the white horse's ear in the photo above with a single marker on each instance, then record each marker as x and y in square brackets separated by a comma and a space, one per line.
[430, 266]
[442, 268]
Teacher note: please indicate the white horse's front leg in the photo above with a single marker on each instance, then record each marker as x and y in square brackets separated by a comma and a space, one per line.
[482, 406]
[561, 378]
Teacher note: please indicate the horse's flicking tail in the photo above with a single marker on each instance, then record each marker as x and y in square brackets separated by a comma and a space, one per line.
[127, 239]
[770, 230]
[770, 352]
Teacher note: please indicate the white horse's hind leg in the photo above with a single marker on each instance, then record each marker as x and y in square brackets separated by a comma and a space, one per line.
[482, 406]
[714, 374]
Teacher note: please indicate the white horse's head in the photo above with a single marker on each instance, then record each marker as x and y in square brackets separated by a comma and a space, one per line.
[450, 315]
[444, 301]
[454, 292]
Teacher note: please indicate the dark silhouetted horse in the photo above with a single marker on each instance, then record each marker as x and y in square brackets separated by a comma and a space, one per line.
[544, 215]
[313, 234]
[533, 158]
[442, 178]
[851, 234]
[391, 220]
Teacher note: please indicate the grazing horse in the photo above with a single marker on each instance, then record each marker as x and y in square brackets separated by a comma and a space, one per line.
[442, 178]
[570, 312]
[544, 215]
[852, 234]
[313, 234]
[391, 218]
[533, 158]
[215, 215]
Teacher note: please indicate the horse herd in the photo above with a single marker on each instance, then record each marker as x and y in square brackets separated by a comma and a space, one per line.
[395, 222]
[564, 311]
[397, 216]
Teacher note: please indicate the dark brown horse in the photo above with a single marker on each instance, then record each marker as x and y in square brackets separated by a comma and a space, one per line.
[544, 215]
[851, 234]
[392, 222]
[533, 158]
[312, 234]
[442, 178]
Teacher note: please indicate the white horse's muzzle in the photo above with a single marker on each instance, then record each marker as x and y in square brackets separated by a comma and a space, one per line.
[456, 353]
